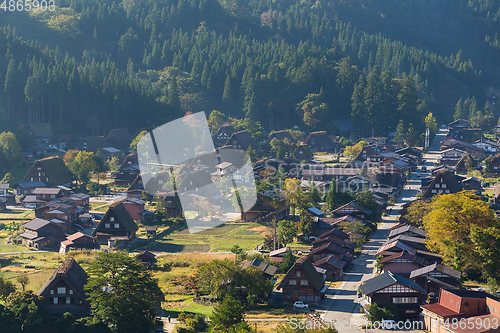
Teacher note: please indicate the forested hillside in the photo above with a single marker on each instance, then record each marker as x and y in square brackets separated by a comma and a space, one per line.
[140, 63]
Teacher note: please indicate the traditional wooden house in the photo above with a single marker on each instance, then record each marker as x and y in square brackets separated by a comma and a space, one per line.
[265, 208]
[303, 153]
[94, 144]
[326, 250]
[64, 290]
[267, 270]
[119, 138]
[78, 241]
[116, 223]
[135, 207]
[51, 170]
[415, 242]
[82, 200]
[4, 190]
[444, 183]
[408, 230]
[434, 277]
[451, 156]
[147, 258]
[402, 263]
[457, 127]
[48, 194]
[136, 189]
[334, 267]
[302, 283]
[490, 147]
[353, 209]
[65, 210]
[395, 247]
[3, 203]
[39, 233]
[30, 201]
[465, 307]
[465, 162]
[390, 288]
[472, 184]
[129, 170]
[242, 140]
[222, 135]
[26, 188]
[281, 136]
[277, 255]
[320, 141]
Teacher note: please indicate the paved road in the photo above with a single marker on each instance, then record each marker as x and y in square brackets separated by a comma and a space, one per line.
[341, 303]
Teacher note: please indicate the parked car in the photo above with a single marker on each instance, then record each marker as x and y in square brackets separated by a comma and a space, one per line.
[389, 324]
[31, 205]
[300, 305]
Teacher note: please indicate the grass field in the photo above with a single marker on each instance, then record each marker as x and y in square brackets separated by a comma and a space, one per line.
[219, 239]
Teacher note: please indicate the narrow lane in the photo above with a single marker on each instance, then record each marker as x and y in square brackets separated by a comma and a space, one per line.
[342, 305]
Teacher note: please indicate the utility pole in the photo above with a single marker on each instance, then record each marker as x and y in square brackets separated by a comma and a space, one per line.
[274, 234]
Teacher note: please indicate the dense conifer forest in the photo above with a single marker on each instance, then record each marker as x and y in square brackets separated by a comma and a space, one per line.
[95, 65]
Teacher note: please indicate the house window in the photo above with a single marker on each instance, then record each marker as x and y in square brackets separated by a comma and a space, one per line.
[68, 300]
[47, 179]
[112, 219]
[433, 191]
[129, 162]
[304, 282]
[185, 189]
[117, 225]
[71, 291]
[106, 225]
[405, 300]
[31, 178]
[160, 182]
[52, 292]
[52, 196]
[298, 273]
[39, 168]
[444, 186]
[437, 185]
[190, 182]
[61, 290]
[55, 300]
[292, 282]
[39, 174]
[447, 191]
[196, 189]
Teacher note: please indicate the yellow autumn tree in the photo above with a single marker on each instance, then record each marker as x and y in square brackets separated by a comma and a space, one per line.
[292, 192]
[449, 223]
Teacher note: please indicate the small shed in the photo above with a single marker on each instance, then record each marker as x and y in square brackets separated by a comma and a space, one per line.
[151, 231]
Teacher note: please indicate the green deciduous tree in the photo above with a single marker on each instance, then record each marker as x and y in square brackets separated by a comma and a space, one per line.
[286, 231]
[367, 200]
[226, 316]
[122, 292]
[10, 148]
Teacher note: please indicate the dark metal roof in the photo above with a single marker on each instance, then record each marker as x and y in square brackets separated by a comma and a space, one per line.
[332, 261]
[436, 267]
[407, 228]
[404, 255]
[388, 279]
[264, 267]
[36, 224]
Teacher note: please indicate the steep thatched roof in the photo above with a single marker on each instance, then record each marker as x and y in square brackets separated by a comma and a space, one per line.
[72, 273]
[315, 279]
